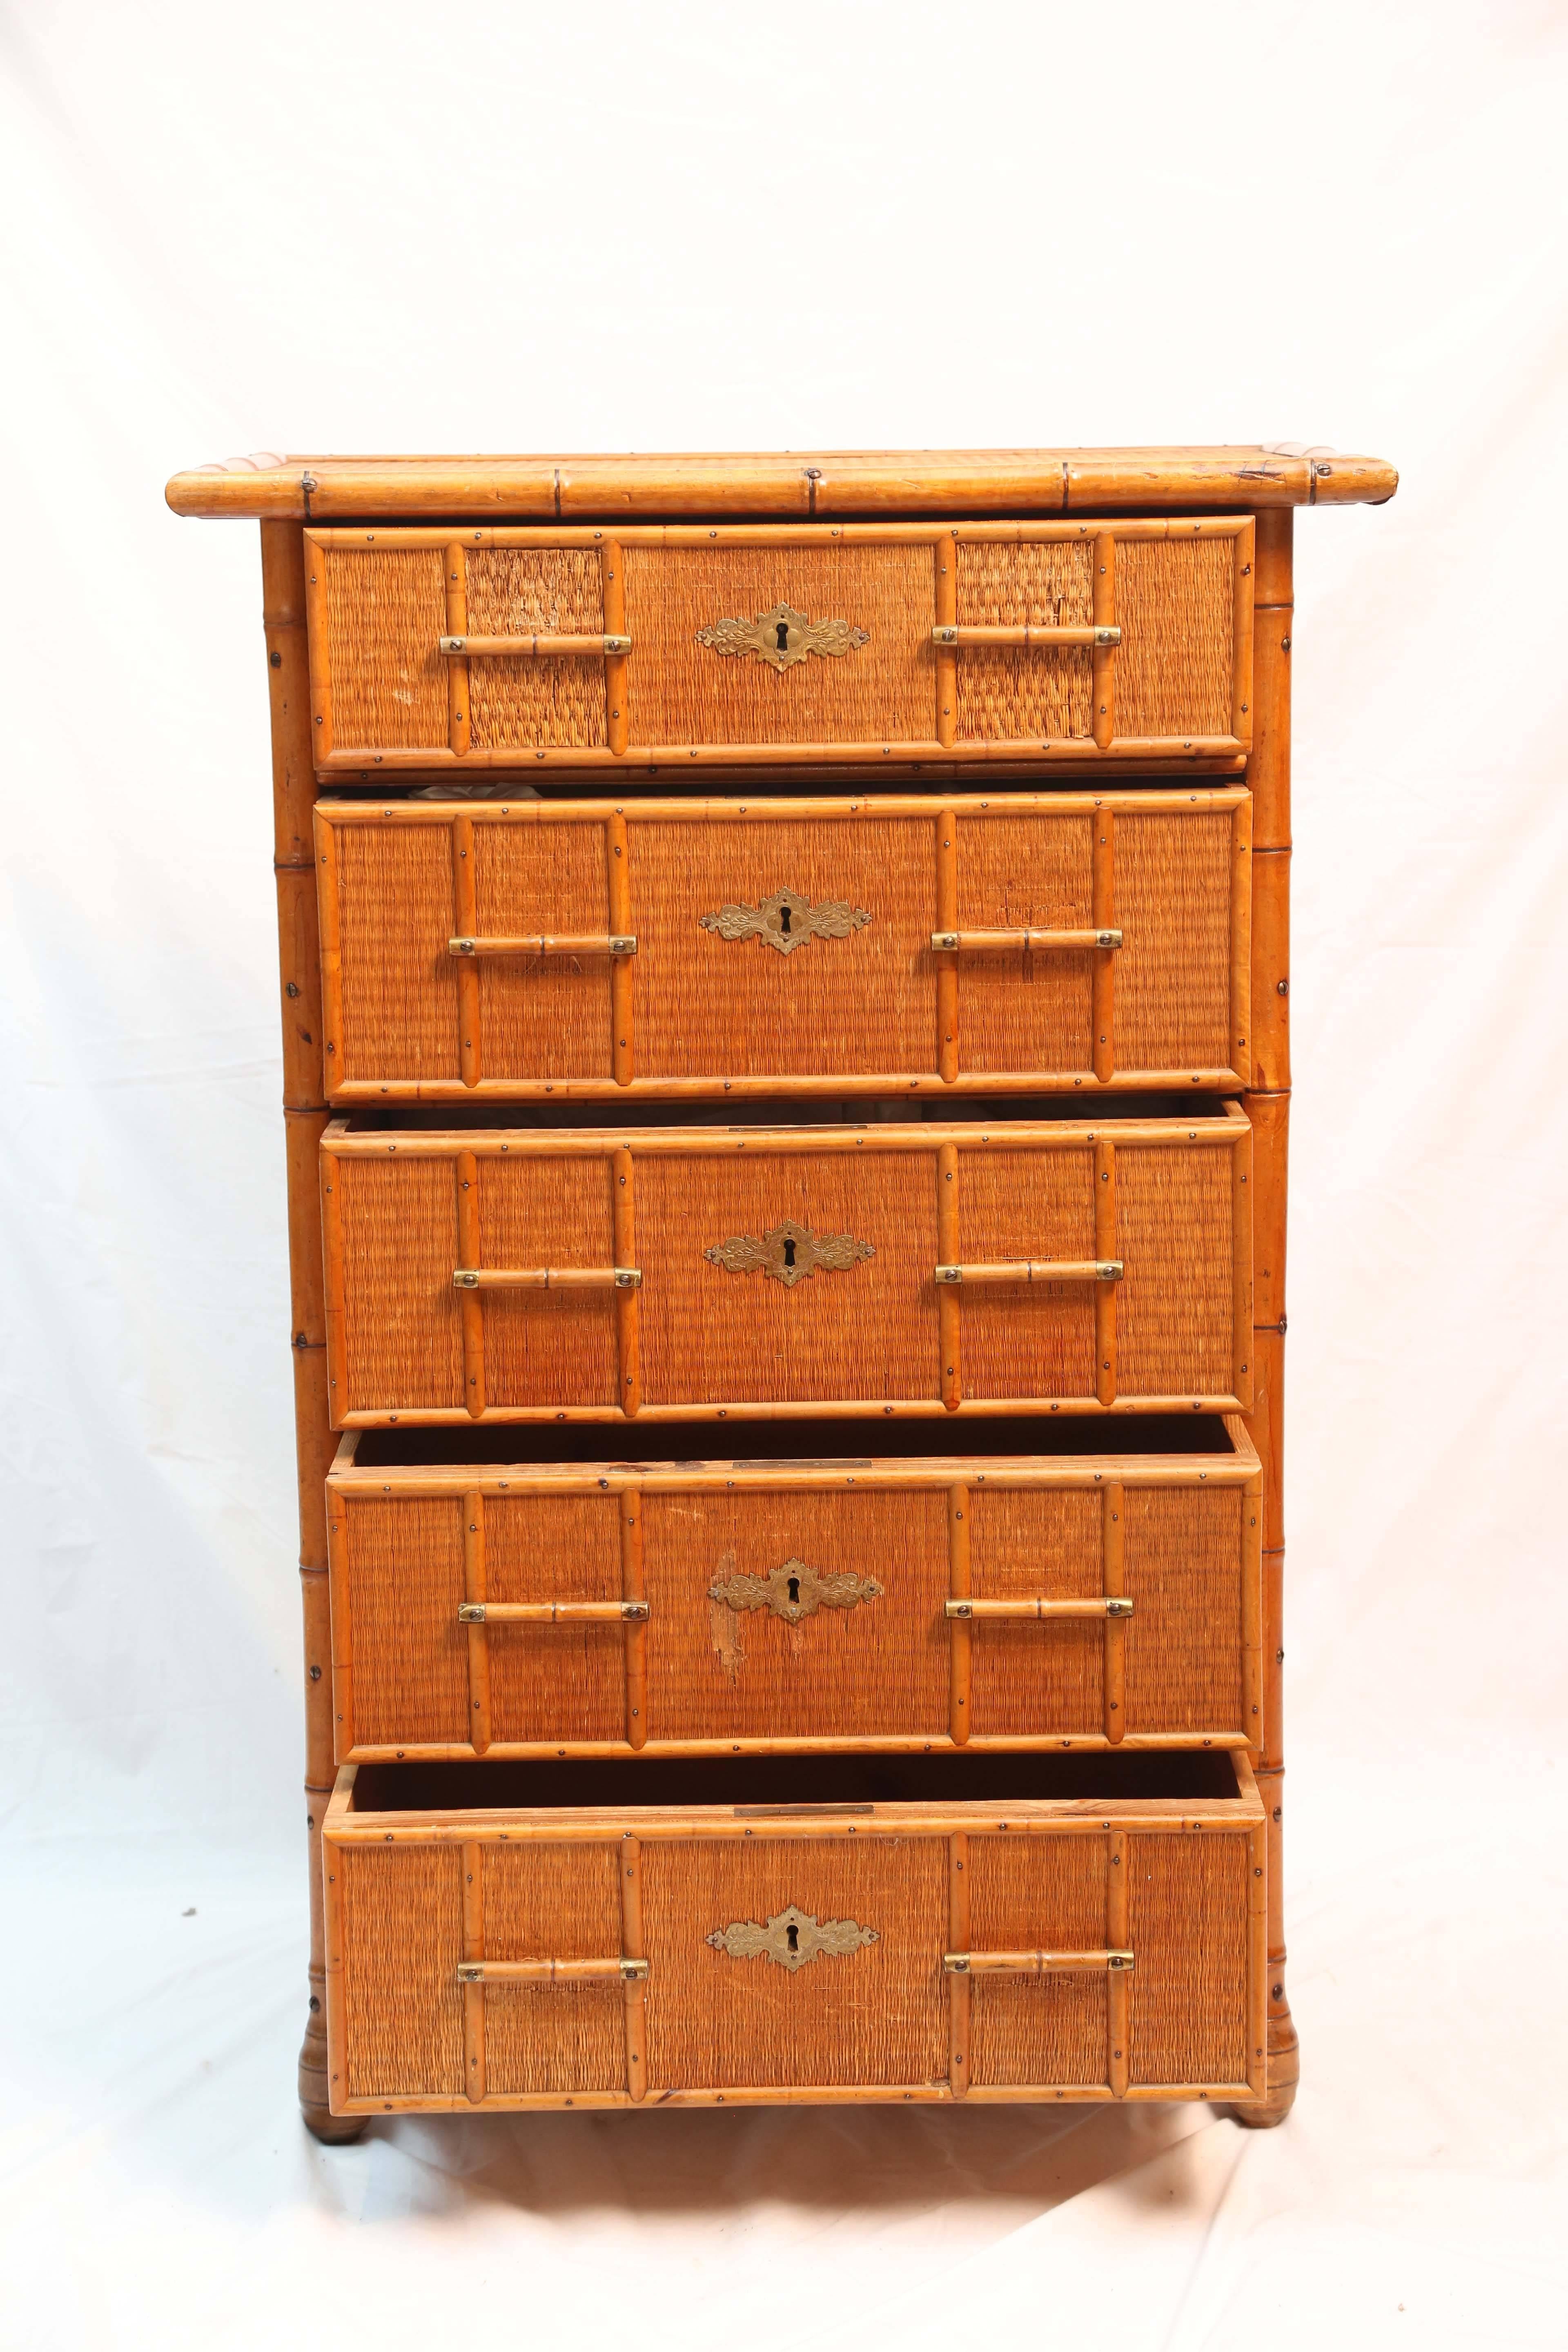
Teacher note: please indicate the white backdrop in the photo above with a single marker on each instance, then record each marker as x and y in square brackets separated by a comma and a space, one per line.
[356, 226]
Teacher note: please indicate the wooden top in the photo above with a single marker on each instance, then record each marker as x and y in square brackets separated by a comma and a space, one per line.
[831, 483]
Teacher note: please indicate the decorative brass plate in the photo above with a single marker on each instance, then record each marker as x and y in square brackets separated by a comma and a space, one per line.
[795, 1590]
[787, 920]
[790, 1253]
[782, 637]
[792, 1937]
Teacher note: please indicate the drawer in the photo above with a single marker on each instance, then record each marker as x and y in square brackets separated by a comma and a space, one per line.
[690, 1271]
[768, 1929]
[1032, 942]
[1052, 1587]
[668, 646]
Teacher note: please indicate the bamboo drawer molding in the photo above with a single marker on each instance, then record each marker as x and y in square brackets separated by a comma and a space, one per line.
[526, 1274]
[702, 947]
[681, 645]
[1092, 1598]
[784, 969]
[586, 1939]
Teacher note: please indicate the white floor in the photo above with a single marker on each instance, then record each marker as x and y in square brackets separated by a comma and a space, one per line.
[159, 2190]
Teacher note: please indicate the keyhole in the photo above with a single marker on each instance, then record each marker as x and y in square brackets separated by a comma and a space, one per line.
[783, 629]
[789, 1251]
[794, 1596]
[792, 1936]
[784, 916]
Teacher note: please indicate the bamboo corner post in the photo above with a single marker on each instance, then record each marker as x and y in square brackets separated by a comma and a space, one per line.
[283, 586]
[1267, 1103]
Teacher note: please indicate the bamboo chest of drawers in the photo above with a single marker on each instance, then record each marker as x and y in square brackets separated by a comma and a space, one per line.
[784, 972]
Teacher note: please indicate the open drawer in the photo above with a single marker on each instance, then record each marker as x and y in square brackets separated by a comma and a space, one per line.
[696, 1270]
[774, 1929]
[1059, 1584]
[1025, 943]
[671, 647]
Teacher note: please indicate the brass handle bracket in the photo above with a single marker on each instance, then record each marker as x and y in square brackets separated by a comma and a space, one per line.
[1106, 1606]
[547, 1277]
[610, 943]
[540, 645]
[1032, 942]
[1036, 1270]
[1034, 1964]
[559, 1972]
[552, 1613]
[1027, 637]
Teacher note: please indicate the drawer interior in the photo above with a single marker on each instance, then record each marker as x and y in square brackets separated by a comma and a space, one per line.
[775, 1785]
[832, 1118]
[795, 1444]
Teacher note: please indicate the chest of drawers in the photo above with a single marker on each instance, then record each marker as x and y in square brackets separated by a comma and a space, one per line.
[785, 968]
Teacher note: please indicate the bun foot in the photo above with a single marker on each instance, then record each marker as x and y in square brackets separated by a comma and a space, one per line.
[1284, 2070]
[332, 2131]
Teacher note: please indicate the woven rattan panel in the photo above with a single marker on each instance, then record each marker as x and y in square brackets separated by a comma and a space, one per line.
[1173, 969]
[402, 1337]
[384, 611]
[566, 1682]
[1004, 692]
[706, 1003]
[1173, 1212]
[518, 591]
[542, 1016]
[1019, 1011]
[1174, 666]
[876, 2014]
[398, 1617]
[402, 1938]
[1028, 1678]
[866, 1331]
[553, 1902]
[717, 1672]
[1032, 1338]
[1183, 1550]
[1034, 1894]
[554, 1344]
[1187, 1924]
[396, 915]
[685, 692]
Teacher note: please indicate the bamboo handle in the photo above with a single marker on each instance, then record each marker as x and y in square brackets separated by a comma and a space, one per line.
[561, 1972]
[512, 648]
[947, 633]
[1038, 1269]
[1102, 1605]
[547, 1277]
[550, 1612]
[606, 943]
[1032, 942]
[1032, 1964]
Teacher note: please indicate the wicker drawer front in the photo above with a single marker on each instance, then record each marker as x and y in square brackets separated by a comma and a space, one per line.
[850, 643]
[1045, 940]
[1083, 1598]
[1000, 1945]
[546, 1275]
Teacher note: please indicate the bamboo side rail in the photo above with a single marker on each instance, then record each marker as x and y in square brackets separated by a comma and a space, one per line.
[1267, 1108]
[284, 590]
